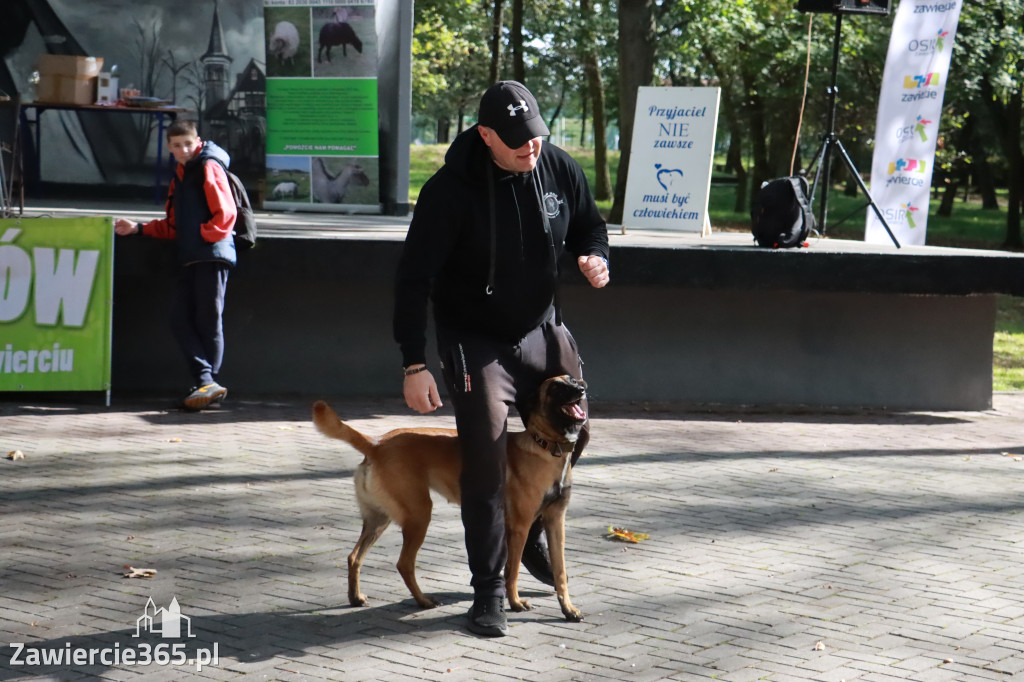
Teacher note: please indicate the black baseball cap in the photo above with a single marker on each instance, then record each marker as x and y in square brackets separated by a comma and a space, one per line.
[510, 110]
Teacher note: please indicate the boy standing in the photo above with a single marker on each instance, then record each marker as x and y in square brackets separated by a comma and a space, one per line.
[200, 217]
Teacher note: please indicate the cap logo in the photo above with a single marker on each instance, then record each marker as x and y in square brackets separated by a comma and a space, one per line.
[512, 108]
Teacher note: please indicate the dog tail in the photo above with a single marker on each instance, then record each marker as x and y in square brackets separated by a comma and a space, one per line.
[327, 423]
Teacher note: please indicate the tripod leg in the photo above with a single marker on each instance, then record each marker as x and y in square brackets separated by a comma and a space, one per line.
[864, 188]
[816, 165]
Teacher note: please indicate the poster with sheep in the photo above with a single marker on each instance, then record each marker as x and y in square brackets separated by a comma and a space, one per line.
[322, 129]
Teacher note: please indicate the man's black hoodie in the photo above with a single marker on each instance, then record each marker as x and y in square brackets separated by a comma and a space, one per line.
[448, 251]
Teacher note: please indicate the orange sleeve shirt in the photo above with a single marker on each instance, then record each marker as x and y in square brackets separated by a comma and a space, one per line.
[218, 198]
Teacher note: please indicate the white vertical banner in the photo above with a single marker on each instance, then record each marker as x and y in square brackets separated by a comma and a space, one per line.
[909, 109]
[670, 159]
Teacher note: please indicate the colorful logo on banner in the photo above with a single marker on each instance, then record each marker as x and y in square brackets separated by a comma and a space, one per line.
[909, 108]
[56, 283]
[673, 130]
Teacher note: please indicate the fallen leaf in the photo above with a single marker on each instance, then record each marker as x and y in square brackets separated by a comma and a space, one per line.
[285, 428]
[174, 440]
[820, 646]
[626, 535]
[15, 454]
[139, 572]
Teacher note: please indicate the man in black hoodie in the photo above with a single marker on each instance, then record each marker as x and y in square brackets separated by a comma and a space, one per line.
[484, 243]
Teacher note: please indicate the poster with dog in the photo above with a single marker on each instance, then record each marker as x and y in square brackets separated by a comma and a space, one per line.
[322, 120]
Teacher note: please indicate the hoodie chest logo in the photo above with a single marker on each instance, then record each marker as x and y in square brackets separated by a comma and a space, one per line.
[551, 204]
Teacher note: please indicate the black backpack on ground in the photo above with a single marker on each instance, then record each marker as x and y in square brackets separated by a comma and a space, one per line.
[782, 217]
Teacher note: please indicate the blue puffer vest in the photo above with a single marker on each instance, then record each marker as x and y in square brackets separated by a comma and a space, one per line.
[191, 211]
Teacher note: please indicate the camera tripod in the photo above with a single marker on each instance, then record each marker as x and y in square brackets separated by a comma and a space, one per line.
[830, 141]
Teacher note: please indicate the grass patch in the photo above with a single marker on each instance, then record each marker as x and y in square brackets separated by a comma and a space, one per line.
[1008, 345]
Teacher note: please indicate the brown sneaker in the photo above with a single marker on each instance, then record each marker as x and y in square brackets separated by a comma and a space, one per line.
[202, 396]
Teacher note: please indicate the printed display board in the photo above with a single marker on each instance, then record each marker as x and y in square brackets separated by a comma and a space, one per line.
[909, 109]
[671, 158]
[322, 123]
[56, 298]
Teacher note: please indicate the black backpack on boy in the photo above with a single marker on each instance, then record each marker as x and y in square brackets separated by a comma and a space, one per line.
[245, 221]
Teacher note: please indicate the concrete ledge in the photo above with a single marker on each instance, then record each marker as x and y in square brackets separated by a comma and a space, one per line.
[716, 320]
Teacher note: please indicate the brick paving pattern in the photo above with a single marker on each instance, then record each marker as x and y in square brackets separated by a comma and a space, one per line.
[792, 546]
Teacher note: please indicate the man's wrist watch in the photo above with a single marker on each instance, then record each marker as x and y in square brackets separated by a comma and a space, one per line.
[407, 371]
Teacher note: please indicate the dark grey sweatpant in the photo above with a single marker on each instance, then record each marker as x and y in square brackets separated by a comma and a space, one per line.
[484, 377]
[196, 317]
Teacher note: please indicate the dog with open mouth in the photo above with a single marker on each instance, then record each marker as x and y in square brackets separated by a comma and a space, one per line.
[399, 469]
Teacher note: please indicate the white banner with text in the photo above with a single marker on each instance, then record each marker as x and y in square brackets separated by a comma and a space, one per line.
[673, 148]
[909, 109]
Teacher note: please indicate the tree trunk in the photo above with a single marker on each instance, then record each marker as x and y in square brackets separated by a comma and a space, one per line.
[755, 124]
[636, 68]
[984, 180]
[584, 100]
[948, 197]
[1008, 118]
[518, 58]
[595, 88]
[496, 23]
[731, 110]
[443, 131]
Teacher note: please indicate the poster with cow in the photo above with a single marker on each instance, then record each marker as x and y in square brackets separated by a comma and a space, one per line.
[322, 120]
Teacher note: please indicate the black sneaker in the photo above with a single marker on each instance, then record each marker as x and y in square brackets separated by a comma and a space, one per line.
[536, 558]
[202, 396]
[487, 617]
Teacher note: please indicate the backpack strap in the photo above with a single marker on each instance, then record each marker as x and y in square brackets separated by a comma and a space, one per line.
[800, 192]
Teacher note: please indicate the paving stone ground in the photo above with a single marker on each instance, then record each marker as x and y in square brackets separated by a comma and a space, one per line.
[785, 546]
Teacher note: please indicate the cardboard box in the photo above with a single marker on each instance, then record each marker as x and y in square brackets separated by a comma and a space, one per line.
[67, 79]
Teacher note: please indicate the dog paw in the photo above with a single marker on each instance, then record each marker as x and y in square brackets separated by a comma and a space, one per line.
[573, 615]
[428, 603]
[519, 606]
[358, 600]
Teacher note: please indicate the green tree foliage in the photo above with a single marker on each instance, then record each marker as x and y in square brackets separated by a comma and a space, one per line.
[450, 60]
[989, 61]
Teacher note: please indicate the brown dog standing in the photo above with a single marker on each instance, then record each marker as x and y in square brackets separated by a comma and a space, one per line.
[399, 469]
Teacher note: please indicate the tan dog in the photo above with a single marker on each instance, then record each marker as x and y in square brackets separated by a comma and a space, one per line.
[394, 480]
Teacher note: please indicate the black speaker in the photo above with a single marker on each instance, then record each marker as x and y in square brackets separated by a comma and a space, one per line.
[878, 7]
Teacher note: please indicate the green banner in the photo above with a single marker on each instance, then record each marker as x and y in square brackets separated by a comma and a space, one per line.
[56, 286]
[323, 127]
[322, 117]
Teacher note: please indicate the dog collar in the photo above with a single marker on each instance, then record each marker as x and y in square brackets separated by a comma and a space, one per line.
[554, 448]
